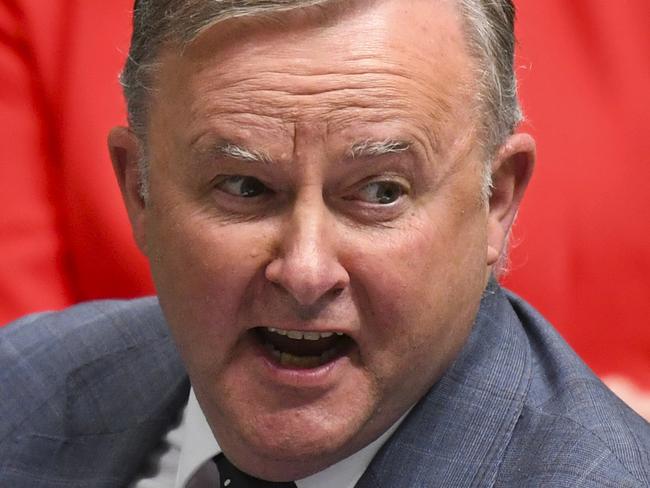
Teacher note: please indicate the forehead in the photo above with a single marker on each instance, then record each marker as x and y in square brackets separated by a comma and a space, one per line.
[380, 62]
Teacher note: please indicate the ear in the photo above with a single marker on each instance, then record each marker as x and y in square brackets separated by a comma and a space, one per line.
[124, 148]
[511, 171]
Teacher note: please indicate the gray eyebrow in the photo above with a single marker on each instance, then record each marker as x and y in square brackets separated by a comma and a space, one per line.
[243, 154]
[370, 148]
[363, 149]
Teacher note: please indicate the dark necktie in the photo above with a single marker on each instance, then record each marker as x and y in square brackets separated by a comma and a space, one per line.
[231, 477]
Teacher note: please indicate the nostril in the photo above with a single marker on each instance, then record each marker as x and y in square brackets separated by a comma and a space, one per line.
[306, 286]
[336, 292]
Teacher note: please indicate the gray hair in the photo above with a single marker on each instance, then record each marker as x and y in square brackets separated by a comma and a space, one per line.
[488, 25]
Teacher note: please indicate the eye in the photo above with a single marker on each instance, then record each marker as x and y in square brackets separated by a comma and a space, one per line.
[242, 186]
[381, 192]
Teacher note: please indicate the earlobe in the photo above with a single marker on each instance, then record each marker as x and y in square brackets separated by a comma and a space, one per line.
[125, 152]
[511, 172]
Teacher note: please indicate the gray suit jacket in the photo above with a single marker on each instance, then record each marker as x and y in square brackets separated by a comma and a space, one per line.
[87, 394]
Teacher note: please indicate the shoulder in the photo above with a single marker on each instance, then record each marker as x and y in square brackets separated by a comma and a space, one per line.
[572, 430]
[42, 354]
[551, 449]
[77, 335]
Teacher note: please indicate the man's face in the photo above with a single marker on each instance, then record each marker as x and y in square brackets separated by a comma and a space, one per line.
[316, 179]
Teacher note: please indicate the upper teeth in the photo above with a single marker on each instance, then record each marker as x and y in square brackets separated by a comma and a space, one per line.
[301, 334]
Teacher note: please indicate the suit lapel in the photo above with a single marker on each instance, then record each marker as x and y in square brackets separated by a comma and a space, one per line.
[457, 434]
[117, 440]
[115, 410]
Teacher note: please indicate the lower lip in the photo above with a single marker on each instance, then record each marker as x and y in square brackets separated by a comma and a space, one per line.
[301, 377]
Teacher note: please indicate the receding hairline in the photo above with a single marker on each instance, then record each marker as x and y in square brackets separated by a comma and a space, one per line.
[306, 15]
[322, 13]
[237, 27]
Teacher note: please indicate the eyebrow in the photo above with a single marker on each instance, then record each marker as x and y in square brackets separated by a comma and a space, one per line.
[359, 150]
[241, 153]
[370, 148]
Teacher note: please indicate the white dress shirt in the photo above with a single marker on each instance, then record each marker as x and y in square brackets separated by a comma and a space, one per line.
[188, 449]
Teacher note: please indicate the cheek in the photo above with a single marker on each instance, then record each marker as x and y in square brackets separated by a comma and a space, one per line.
[425, 260]
[202, 271]
[420, 286]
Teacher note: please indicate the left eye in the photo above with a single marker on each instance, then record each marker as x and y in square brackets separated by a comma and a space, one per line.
[242, 186]
[381, 192]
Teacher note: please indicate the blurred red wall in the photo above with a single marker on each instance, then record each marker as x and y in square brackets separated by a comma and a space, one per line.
[582, 244]
[64, 235]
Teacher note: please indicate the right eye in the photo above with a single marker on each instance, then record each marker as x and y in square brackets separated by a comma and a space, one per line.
[242, 186]
[381, 192]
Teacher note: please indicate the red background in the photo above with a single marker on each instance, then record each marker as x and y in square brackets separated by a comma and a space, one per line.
[581, 246]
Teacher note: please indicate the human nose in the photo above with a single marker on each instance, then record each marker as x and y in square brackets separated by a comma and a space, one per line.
[307, 264]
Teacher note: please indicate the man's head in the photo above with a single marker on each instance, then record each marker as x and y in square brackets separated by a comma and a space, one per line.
[319, 171]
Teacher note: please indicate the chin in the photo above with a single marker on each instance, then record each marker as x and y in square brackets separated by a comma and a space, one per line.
[293, 444]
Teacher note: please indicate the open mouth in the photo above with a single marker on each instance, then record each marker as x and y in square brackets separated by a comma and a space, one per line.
[303, 349]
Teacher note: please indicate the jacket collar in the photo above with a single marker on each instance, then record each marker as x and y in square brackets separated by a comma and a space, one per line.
[457, 434]
[118, 440]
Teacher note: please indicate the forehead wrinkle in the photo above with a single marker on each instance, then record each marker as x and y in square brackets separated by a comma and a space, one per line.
[340, 99]
[205, 116]
[340, 112]
[218, 130]
[433, 103]
[408, 128]
[315, 82]
[338, 87]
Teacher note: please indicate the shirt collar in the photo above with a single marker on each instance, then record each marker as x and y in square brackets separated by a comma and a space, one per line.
[199, 446]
